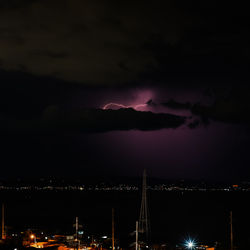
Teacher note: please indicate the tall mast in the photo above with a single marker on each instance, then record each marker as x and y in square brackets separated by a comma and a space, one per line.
[144, 227]
[231, 230]
[113, 229]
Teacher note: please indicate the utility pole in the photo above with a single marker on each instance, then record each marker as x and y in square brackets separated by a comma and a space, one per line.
[113, 229]
[231, 230]
[136, 236]
[3, 223]
[77, 228]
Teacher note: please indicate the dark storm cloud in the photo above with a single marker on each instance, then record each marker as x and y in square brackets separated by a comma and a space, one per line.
[113, 42]
[56, 119]
[176, 105]
[229, 105]
[15, 4]
[104, 41]
[225, 110]
[50, 54]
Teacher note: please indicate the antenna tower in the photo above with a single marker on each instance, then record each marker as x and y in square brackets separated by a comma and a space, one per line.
[144, 226]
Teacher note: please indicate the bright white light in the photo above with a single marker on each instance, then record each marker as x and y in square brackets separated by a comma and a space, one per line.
[190, 244]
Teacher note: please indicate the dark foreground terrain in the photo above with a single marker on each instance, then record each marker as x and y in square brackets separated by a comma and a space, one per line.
[174, 216]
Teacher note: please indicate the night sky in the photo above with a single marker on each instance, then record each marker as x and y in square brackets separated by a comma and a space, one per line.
[108, 88]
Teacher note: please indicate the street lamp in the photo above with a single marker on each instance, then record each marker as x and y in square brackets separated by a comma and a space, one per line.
[190, 244]
[33, 237]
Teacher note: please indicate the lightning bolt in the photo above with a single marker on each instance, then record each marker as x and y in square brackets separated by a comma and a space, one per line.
[109, 105]
[140, 106]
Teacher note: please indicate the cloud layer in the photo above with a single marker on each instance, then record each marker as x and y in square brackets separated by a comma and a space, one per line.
[84, 41]
[114, 42]
[95, 120]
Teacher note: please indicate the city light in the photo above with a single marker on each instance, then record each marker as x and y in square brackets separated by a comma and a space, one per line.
[33, 237]
[190, 244]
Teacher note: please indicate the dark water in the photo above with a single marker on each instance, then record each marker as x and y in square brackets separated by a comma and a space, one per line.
[174, 216]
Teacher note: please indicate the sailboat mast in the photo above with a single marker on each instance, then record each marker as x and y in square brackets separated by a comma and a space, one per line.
[3, 223]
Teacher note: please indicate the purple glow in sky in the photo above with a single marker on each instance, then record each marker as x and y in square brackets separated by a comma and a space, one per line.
[138, 102]
[146, 100]
[211, 151]
[131, 97]
[205, 152]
